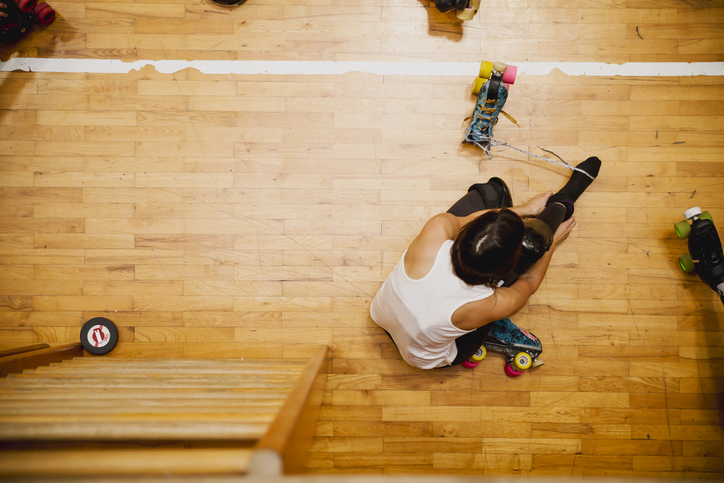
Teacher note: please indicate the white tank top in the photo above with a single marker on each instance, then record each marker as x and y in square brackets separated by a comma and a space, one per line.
[417, 313]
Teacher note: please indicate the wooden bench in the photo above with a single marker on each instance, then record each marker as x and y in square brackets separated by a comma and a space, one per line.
[96, 416]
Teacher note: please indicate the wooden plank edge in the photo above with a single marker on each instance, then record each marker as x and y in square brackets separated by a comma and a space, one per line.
[20, 350]
[285, 446]
[42, 357]
[124, 462]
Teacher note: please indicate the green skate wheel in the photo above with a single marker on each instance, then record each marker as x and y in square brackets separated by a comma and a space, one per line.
[474, 4]
[479, 354]
[682, 228]
[486, 69]
[477, 85]
[706, 216]
[522, 361]
[466, 14]
[686, 263]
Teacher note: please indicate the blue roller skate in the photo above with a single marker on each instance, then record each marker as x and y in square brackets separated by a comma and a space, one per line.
[492, 94]
[521, 347]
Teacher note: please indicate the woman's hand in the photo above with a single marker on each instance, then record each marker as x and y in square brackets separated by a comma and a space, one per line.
[3, 7]
[534, 206]
[562, 232]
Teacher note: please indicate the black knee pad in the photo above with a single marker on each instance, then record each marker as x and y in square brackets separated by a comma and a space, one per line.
[495, 193]
[447, 5]
[537, 240]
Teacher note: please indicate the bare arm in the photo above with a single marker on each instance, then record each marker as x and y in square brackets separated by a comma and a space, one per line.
[445, 226]
[507, 301]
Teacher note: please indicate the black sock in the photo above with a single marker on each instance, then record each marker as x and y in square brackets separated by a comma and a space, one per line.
[577, 184]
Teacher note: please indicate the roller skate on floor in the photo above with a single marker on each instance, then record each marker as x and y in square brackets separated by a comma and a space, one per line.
[20, 17]
[705, 257]
[491, 87]
[465, 9]
[521, 347]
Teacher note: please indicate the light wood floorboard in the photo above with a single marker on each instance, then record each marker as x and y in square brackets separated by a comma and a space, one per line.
[256, 216]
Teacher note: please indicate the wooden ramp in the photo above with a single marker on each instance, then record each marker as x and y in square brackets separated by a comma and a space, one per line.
[102, 416]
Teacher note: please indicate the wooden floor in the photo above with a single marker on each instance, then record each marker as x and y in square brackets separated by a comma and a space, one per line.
[256, 216]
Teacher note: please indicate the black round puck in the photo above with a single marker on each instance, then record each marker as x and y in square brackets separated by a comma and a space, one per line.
[99, 336]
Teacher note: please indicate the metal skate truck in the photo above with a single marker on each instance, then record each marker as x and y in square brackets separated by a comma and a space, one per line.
[705, 257]
[521, 347]
[491, 87]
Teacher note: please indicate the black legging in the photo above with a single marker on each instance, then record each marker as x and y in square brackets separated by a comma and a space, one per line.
[552, 215]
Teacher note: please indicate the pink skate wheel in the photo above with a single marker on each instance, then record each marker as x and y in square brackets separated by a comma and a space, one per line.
[469, 365]
[25, 5]
[512, 372]
[44, 13]
[509, 74]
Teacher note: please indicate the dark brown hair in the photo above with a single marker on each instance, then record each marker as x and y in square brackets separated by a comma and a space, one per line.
[488, 248]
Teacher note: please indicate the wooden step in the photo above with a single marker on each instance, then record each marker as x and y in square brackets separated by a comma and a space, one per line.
[99, 404]
[154, 462]
[110, 369]
[123, 407]
[20, 350]
[95, 360]
[149, 392]
[29, 360]
[101, 382]
[175, 428]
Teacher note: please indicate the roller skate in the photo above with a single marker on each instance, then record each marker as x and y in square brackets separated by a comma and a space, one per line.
[521, 347]
[492, 94]
[466, 9]
[20, 17]
[705, 257]
[18, 21]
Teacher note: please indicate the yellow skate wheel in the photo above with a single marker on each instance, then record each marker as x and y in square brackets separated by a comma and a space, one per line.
[522, 361]
[475, 4]
[477, 85]
[486, 69]
[537, 363]
[479, 354]
[466, 14]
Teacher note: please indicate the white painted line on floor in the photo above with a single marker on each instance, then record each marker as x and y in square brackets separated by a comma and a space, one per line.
[290, 67]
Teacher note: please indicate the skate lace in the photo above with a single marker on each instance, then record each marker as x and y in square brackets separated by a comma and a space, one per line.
[480, 134]
[485, 141]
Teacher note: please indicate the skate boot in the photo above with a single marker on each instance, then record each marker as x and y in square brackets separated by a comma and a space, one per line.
[466, 9]
[492, 94]
[705, 257]
[521, 347]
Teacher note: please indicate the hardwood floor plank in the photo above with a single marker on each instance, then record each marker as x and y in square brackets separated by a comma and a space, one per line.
[213, 215]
